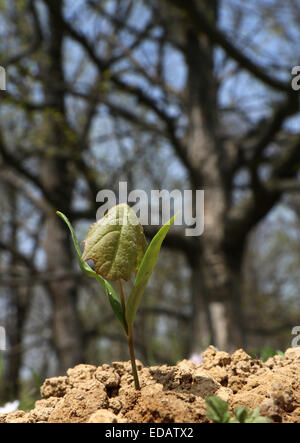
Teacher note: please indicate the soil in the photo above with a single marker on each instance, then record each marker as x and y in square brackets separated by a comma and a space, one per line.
[169, 394]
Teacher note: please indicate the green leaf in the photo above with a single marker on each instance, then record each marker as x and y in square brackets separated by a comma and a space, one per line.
[217, 409]
[116, 244]
[145, 270]
[242, 414]
[245, 415]
[254, 417]
[83, 265]
[109, 290]
[114, 300]
[255, 413]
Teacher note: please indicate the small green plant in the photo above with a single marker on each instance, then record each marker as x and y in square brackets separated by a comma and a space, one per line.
[217, 410]
[118, 248]
[268, 352]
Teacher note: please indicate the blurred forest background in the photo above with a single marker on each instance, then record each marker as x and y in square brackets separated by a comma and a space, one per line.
[167, 94]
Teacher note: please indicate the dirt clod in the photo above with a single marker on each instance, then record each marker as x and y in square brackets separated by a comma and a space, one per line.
[170, 394]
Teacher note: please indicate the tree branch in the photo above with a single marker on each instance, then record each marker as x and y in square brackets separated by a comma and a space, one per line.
[198, 17]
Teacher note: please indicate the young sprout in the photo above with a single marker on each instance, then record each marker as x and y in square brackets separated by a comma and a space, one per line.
[116, 243]
[217, 410]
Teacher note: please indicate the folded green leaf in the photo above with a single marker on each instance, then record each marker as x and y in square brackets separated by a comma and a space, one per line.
[144, 272]
[109, 290]
[116, 243]
[114, 301]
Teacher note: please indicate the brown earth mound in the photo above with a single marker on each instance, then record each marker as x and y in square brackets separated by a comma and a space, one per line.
[169, 394]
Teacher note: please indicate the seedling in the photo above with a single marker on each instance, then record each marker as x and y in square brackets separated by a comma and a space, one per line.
[217, 410]
[117, 245]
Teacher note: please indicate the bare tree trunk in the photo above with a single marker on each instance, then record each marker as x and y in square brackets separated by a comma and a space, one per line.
[67, 334]
[227, 316]
[10, 390]
[217, 310]
[58, 180]
[201, 328]
[205, 152]
[18, 305]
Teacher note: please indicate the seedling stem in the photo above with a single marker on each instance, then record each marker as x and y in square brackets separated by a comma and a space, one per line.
[129, 340]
